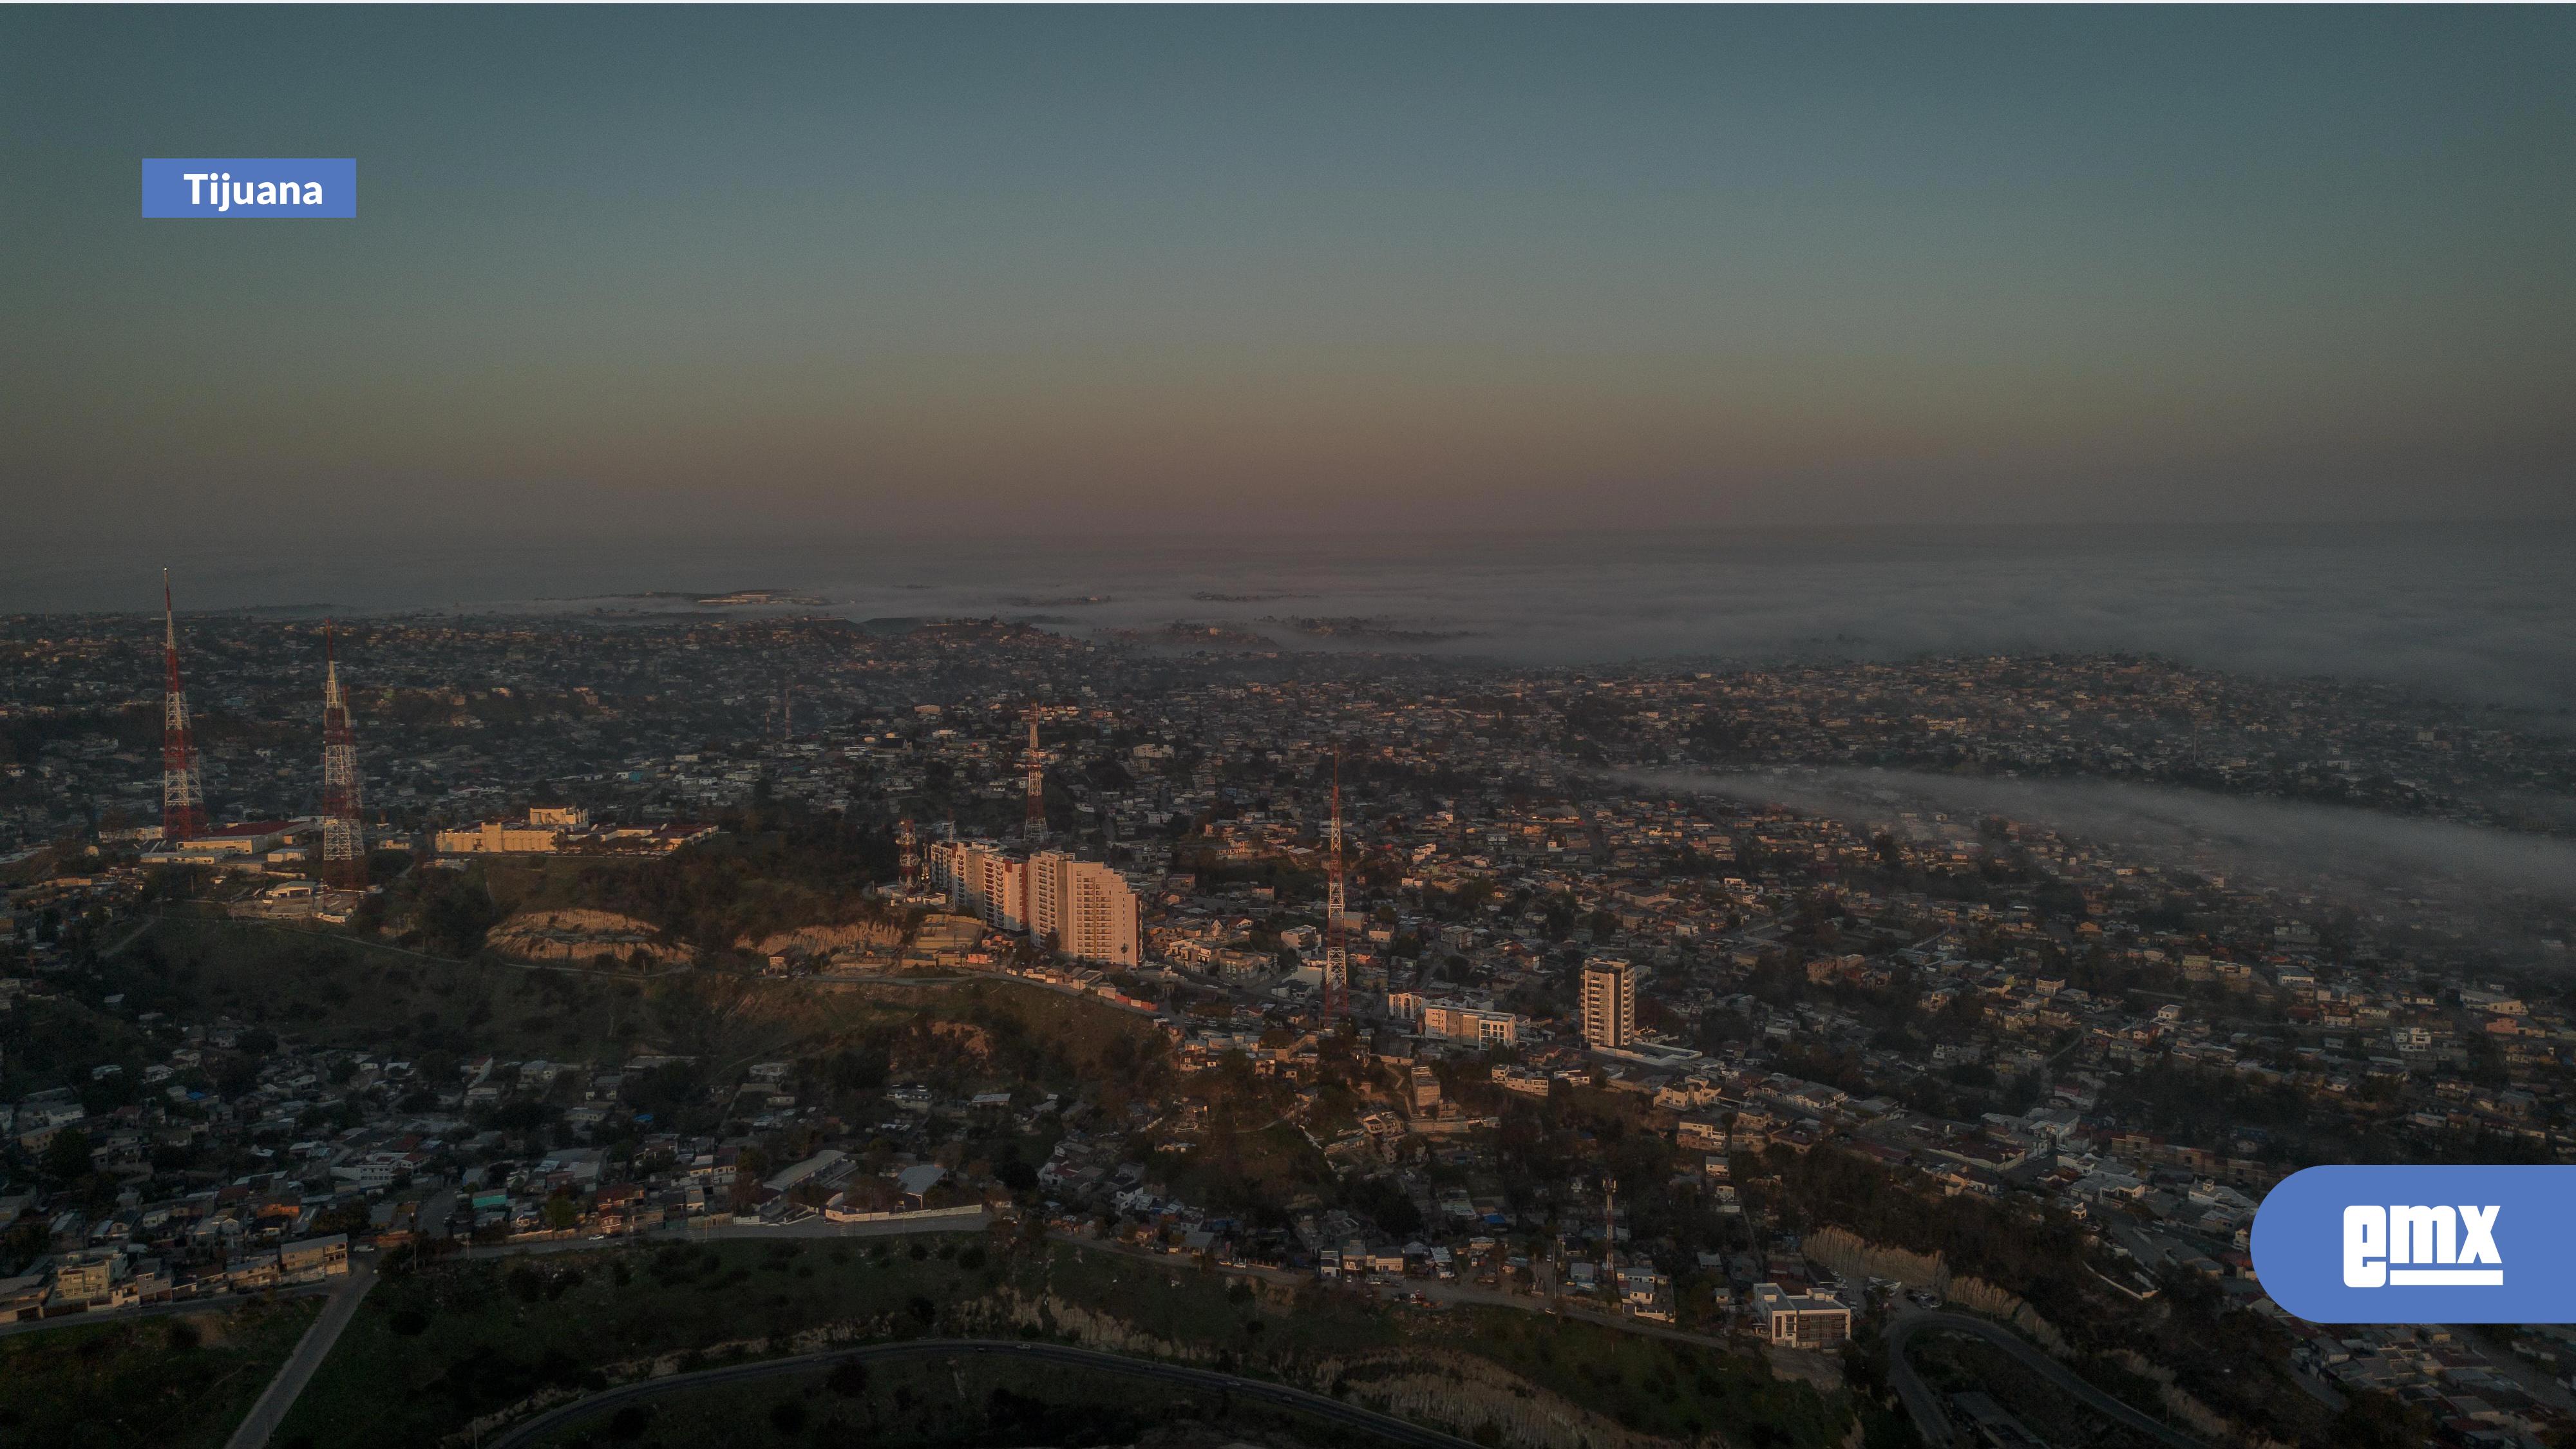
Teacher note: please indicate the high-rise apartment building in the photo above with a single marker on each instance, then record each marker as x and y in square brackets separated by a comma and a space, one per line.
[1609, 1002]
[1083, 909]
[1087, 909]
[983, 882]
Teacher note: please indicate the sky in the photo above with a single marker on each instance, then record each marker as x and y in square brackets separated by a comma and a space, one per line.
[683, 273]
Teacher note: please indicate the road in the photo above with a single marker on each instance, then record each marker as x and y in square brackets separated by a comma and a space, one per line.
[212, 1303]
[310, 1350]
[1823, 1370]
[703, 1231]
[1925, 1406]
[1322, 1406]
[316, 1345]
[131, 937]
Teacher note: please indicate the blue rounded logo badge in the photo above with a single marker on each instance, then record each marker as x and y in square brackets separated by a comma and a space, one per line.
[2356, 1244]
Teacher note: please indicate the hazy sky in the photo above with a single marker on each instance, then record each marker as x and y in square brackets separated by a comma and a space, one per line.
[725, 271]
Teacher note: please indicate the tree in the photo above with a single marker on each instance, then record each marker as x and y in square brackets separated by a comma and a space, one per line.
[2372, 1420]
[747, 1172]
[66, 1158]
[455, 914]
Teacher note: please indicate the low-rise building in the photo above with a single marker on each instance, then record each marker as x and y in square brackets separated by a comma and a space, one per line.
[1800, 1320]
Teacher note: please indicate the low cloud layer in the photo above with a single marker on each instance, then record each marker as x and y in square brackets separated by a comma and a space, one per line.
[2361, 857]
[2480, 615]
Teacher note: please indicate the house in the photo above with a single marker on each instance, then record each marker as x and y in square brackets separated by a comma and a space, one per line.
[1705, 1134]
[310, 1260]
[22, 1297]
[1646, 1294]
[1800, 1320]
[83, 1281]
[827, 1168]
[916, 1183]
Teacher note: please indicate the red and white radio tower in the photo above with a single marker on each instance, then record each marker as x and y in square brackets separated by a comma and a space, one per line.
[344, 835]
[1037, 826]
[183, 791]
[1337, 955]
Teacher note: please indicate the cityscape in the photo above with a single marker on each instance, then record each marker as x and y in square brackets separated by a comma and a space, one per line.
[1279, 727]
[1437, 987]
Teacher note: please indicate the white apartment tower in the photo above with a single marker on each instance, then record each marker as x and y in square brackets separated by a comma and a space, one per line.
[983, 882]
[1086, 908]
[1609, 1002]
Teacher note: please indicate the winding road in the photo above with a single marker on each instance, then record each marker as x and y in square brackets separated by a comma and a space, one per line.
[310, 1350]
[1925, 1405]
[1322, 1406]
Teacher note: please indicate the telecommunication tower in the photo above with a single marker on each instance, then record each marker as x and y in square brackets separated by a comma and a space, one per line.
[183, 790]
[344, 835]
[1337, 955]
[1037, 826]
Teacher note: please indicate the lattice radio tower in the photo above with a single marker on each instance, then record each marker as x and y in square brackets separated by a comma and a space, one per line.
[1337, 955]
[183, 790]
[344, 834]
[1036, 829]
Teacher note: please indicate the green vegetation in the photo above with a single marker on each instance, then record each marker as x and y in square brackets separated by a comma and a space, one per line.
[942, 1404]
[773, 870]
[178, 1381]
[52, 1042]
[1957, 1364]
[337, 990]
[2228, 1360]
[2039, 1253]
[432, 1350]
[1658, 1386]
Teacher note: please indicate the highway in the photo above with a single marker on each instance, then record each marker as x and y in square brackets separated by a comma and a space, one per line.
[316, 1345]
[1322, 1406]
[1925, 1406]
[1822, 1370]
[310, 1350]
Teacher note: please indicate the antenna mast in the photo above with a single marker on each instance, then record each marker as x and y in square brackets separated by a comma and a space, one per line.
[344, 834]
[1036, 829]
[183, 791]
[1337, 956]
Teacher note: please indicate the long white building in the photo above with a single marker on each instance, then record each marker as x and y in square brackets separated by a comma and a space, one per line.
[1081, 908]
[1084, 909]
[983, 881]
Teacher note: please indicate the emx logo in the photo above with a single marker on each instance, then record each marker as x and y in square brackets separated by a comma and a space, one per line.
[2377, 1239]
[2419, 1245]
